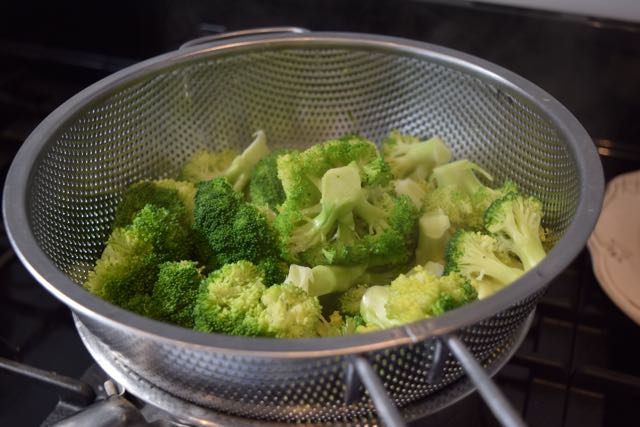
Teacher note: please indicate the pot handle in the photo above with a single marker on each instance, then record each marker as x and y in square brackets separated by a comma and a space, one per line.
[490, 393]
[242, 33]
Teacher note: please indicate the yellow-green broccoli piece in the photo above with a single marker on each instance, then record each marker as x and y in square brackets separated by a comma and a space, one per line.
[409, 157]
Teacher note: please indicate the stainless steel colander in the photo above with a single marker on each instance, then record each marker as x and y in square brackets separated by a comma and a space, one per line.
[145, 121]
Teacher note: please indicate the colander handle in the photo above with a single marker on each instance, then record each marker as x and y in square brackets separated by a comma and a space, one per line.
[243, 33]
[489, 391]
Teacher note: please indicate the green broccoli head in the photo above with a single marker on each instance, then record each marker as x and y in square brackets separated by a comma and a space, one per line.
[414, 296]
[346, 223]
[289, 312]
[515, 221]
[129, 262]
[409, 157]
[265, 187]
[206, 165]
[235, 230]
[461, 195]
[349, 301]
[228, 301]
[234, 300]
[143, 193]
[339, 325]
[476, 256]
[174, 293]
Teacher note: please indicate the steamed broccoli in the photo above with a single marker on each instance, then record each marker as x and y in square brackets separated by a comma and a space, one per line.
[205, 165]
[228, 301]
[265, 187]
[409, 157]
[515, 221]
[174, 195]
[129, 263]
[333, 216]
[461, 195]
[414, 296]
[174, 293]
[477, 257]
[234, 300]
[236, 230]
[323, 279]
[350, 300]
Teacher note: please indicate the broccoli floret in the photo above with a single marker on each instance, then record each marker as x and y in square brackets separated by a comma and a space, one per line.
[228, 301]
[323, 279]
[289, 312]
[129, 263]
[239, 171]
[409, 157]
[414, 296]
[346, 223]
[265, 187]
[206, 165]
[515, 221]
[433, 235]
[169, 194]
[475, 256]
[174, 293]
[339, 325]
[461, 195]
[234, 229]
[349, 301]
[234, 300]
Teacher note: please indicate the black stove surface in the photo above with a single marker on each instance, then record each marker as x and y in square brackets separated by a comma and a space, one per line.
[578, 365]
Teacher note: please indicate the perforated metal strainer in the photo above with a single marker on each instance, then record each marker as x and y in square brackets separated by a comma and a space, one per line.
[145, 121]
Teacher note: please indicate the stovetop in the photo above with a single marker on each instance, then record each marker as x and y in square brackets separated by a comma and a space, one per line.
[577, 366]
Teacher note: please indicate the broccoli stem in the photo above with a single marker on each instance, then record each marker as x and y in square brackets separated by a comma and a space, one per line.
[240, 169]
[461, 175]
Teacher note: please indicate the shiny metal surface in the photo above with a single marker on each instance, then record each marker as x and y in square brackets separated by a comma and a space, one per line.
[145, 121]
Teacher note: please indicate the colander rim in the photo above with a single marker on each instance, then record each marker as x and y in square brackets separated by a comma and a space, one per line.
[93, 309]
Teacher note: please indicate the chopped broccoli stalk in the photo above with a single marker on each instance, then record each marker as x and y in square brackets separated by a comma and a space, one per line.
[474, 255]
[129, 263]
[434, 268]
[515, 220]
[174, 293]
[234, 300]
[206, 165]
[410, 157]
[236, 230]
[228, 301]
[433, 235]
[323, 279]
[416, 190]
[265, 187]
[239, 171]
[350, 300]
